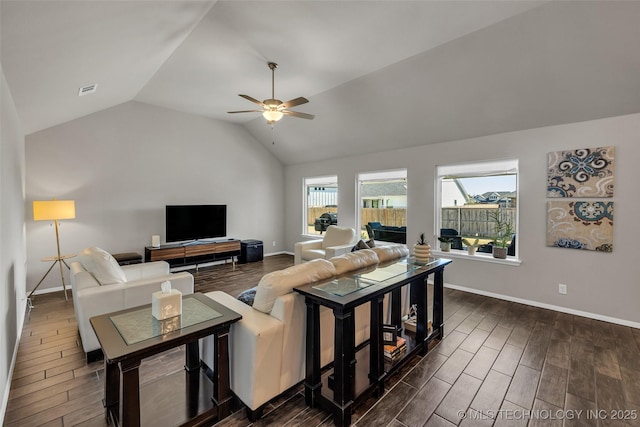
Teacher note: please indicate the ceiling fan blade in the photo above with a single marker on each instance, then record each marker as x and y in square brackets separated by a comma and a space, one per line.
[298, 114]
[249, 98]
[292, 103]
[245, 111]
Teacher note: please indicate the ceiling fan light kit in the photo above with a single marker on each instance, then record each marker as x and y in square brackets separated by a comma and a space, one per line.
[274, 109]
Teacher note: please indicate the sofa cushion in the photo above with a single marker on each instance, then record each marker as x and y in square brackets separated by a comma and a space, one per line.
[309, 254]
[390, 252]
[354, 260]
[277, 283]
[102, 266]
[338, 236]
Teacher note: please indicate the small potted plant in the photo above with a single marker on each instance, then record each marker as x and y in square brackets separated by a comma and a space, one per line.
[503, 233]
[445, 243]
[471, 247]
[421, 249]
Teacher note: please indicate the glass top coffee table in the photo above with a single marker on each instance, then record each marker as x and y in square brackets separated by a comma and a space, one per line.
[128, 336]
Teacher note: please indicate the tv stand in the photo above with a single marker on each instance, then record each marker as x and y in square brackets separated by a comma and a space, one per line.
[196, 252]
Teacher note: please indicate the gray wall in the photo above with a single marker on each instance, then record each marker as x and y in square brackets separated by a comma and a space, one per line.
[602, 284]
[12, 242]
[124, 164]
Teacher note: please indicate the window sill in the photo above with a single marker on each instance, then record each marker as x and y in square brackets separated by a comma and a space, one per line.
[479, 256]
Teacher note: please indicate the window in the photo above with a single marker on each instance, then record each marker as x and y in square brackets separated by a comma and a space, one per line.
[383, 205]
[321, 204]
[468, 195]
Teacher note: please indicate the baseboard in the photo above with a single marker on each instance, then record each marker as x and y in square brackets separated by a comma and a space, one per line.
[547, 306]
[7, 388]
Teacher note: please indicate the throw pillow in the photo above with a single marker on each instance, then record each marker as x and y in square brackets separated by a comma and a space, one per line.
[363, 245]
[248, 296]
[102, 266]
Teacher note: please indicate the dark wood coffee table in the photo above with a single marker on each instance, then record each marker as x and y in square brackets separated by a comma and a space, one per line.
[182, 398]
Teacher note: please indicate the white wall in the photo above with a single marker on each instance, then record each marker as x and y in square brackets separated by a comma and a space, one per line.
[124, 164]
[603, 284]
[12, 242]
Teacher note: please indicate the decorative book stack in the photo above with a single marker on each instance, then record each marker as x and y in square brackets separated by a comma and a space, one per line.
[394, 352]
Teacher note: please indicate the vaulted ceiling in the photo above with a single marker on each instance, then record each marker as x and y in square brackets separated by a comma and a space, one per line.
[378, 74]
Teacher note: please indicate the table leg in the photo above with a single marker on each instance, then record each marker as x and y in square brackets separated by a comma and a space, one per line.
[376, 350]
[438, 302]
[419, 298]
[130, 392]
[396, 308]
[221, 386]
[312, 382]
[111, 389]
[192, 356]
[344, 365]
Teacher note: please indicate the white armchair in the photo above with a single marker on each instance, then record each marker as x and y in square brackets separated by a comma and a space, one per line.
[337, 241]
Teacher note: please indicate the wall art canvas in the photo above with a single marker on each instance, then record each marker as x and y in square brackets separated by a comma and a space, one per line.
[586, 172]
[580, 224]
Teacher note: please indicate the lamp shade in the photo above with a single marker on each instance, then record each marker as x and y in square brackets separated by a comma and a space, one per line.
[49, 210]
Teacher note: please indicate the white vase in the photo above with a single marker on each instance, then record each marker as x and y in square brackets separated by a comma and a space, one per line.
[471, 250]
[422, 252]
[445, 246]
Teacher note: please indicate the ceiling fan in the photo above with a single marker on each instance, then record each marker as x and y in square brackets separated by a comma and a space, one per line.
[274, 109]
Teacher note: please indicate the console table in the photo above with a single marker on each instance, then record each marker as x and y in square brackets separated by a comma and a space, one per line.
[350, 380]
[128, 336]
[194, 252]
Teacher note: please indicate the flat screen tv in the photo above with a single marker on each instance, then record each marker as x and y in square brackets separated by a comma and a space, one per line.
[193, 222]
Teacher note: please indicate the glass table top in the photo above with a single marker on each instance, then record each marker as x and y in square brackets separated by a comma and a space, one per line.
[139, 325]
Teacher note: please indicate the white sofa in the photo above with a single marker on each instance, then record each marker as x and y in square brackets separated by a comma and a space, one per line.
[101, 286]
[267, 346]
[336, 241]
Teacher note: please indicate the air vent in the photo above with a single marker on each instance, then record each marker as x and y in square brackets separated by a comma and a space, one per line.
[86, 90]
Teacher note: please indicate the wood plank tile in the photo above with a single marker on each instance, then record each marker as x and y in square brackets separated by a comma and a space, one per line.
[458, 398]
[508, 359]
[605, 361]
[511, 415]
[476, 419]
[389, 406]
[546, 415]
[519, 336]
[579, 409]
[423, 371]
[610, 398]
[17, 413]
[423, 404]
[492, 391]
[470, 323]
[481, 363]
[474, 340]
[582, 379]
[558, 353]
[33, 387]
[536, 349]
[553, 385]
[453, 367]
[434, 421]
[489, 322]
[497, 338]
[631, 385]
[450, 343]
[523, 387]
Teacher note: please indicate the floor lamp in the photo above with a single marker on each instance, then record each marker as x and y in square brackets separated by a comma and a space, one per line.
[53, 210]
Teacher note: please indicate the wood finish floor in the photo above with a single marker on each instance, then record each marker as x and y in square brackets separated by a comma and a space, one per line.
[497, 361]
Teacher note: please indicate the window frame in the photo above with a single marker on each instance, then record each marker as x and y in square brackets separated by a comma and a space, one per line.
[322, 180]
[507, 166]
[380, 175]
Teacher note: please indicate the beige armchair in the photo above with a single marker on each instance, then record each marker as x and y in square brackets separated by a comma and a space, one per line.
[337, 241]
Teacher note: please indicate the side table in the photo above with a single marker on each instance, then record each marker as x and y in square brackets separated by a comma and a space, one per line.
[130, 335]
